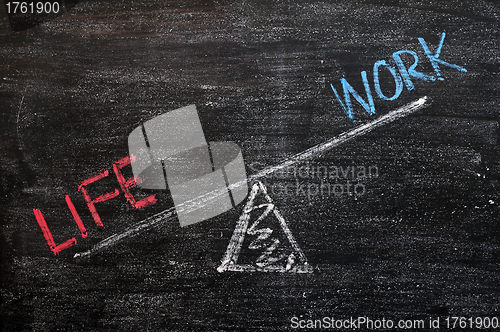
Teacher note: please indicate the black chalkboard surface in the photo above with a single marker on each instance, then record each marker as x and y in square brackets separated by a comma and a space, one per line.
[369, 134]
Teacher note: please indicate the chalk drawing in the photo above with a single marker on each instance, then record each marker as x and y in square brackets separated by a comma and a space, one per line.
[275, 255]
[169, 215]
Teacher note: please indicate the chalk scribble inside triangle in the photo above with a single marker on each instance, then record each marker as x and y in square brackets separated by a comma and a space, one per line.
[262, 240]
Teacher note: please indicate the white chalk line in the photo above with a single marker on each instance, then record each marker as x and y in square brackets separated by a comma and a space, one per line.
[19, 112]
[192, 205]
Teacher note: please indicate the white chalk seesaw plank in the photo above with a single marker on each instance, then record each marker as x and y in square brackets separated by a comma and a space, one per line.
[168, 215]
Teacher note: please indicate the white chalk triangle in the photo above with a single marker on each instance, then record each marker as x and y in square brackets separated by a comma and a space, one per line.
[262, 240]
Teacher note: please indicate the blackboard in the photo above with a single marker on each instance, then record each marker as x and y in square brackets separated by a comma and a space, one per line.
[397, 224]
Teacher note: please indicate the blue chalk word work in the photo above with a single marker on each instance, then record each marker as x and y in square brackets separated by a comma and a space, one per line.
[401, 74]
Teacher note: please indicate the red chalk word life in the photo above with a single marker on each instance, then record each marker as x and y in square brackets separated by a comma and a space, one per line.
[125, 186]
